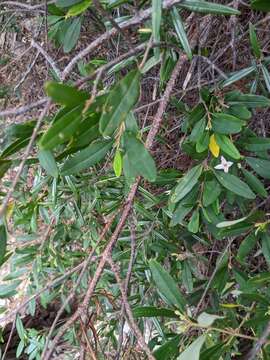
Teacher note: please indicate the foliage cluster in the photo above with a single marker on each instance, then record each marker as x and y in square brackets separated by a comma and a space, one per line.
[188, 248]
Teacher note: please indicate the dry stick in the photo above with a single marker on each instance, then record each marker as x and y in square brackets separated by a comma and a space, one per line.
[132, 323]
[90, 101]
[124, 215]
[79, 83]
[28, 71]
[9, 339]
[23, 109]
[137, 19]
[89, 346]
[24, 158]
[47, 57]
[259, 344]
[130, 265]
[23, 5]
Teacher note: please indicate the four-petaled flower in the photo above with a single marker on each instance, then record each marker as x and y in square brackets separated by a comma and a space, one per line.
[224, 165]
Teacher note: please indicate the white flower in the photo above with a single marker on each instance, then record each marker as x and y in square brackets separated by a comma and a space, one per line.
[224, 165]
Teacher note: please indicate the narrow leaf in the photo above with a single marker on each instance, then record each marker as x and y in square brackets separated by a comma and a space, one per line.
[166, 285]
[119, 103]
[87, 157]
[235, 185]
[180, 31]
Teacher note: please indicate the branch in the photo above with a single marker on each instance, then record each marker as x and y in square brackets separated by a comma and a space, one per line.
[124, 215]
[25, 156]
[23, 5]
[47, 57]
[128, 311]
[136, 20]
[23, 109]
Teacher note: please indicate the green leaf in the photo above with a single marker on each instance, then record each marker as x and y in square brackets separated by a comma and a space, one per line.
[156, 21]
[227, 146]
[187, 277]
[257, 144]
[206, 7]
[235, 185]
[3, 241]
[66, 3]
[150, 63]
[119, 102]
[193, 351]
[180, 213]
[255, 184]
[47, 161]
[246, 246]
[180, 31]
[14, 147]
[87, 157]
[266, 247]
[226, 124]
[238, 75]
[203, 142]
[194, 222]
[20, 328]
[4, 166]
[240, 111]
[9, 290]
[64, 94]
[254, 41]
[197, 113]
[211, 192]
[62, 129]
[198, 130]
[230, 223]
[214, 352]
[19, 349]
[72, 35]
[187, 183]
[129, 171]
[260, 166]
[248, 100]
[139, 157]
[169, 350]
[262, 5]
[117, 163]
[152, 311]
[166, 285]
[266, 76]
[205, 319]
[79, 8]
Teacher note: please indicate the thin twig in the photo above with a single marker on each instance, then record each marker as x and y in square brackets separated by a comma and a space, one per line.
[132, 322]
[25, 156]
[28, 71]
[9, 340]
[128, 276]
[23, 109]
[220, 259]
[47, 57]
[137, 19]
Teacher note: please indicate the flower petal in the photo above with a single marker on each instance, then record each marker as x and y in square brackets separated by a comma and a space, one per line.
[223, 160]
[219, 167]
